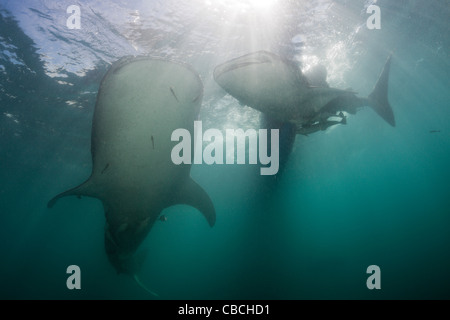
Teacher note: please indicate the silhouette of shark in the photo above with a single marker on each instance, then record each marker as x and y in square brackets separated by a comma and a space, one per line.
[278, 88]
[141, 101]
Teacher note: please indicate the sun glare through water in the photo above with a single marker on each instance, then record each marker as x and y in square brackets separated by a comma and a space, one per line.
[244, 5]
[262, 4]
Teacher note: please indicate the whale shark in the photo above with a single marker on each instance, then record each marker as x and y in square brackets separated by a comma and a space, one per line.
[277, 87]
[140, 102]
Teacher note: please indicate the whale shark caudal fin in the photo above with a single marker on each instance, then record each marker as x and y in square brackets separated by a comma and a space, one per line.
[132, 266]
[378, 99]
[140, 284]
[190, 193]
[136, 265]
[81, 190]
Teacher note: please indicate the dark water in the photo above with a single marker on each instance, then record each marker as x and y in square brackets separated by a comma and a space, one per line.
[350, 197]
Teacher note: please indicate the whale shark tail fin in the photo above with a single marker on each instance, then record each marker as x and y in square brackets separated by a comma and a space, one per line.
[378, 99]
[143, 286]
[133, 265]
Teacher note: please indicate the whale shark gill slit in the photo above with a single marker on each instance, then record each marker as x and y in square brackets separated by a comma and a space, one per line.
[105, 168]
[173, 93]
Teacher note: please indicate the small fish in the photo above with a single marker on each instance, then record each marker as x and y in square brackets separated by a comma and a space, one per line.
[435, 131]
[173, 92]
[104, 169]
[163, 218]
[153, 143]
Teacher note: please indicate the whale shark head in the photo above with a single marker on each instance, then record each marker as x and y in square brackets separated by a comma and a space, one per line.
[262, 80]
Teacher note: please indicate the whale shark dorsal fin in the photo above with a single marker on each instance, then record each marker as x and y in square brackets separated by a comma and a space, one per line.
[135, 265]
[193, 195]
[83, 189]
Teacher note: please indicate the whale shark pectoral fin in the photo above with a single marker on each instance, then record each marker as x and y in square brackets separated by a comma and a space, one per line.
[81, 190]
[194, 195]
[378, 99]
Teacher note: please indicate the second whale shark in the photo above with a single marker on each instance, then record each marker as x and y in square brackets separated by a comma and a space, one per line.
[277, 87]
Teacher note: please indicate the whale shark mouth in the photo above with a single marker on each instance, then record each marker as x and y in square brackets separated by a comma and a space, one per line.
[240, 63]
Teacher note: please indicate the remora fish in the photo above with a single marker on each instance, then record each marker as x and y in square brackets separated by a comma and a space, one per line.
[141, 101]
[278, 88]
